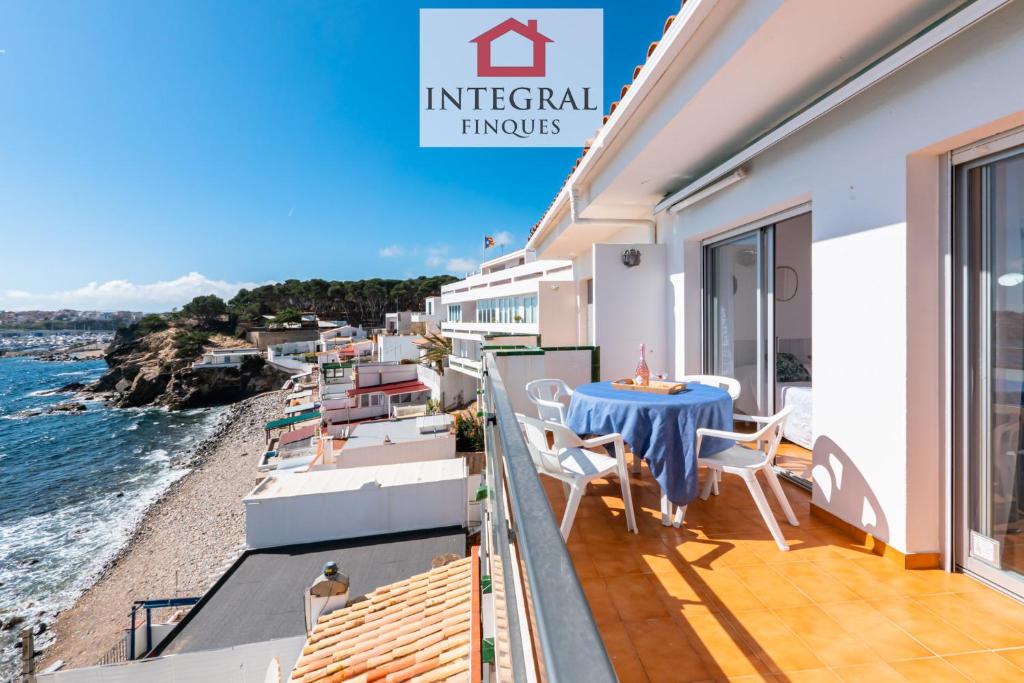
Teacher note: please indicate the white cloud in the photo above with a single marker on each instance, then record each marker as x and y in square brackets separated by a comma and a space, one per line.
[460, 265]
[390, 251]
[503, 238]
[436, 256]
[125, 295]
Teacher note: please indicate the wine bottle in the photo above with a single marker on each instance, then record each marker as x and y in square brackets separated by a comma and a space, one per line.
[642, 375]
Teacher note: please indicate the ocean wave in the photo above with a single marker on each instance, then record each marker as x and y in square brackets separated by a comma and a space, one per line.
[157, 455]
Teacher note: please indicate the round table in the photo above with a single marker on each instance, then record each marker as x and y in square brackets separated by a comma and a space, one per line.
[660, 428]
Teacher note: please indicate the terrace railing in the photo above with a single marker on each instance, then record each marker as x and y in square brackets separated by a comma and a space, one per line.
[543, 628]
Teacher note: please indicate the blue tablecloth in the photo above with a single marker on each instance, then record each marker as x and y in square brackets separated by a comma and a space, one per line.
[662, 429]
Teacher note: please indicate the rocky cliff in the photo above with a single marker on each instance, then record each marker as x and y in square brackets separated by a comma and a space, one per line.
[147, 370]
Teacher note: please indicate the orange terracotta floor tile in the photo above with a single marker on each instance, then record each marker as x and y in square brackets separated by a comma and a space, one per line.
[715, 600]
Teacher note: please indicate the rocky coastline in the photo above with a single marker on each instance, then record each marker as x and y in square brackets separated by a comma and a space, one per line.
[149, 370]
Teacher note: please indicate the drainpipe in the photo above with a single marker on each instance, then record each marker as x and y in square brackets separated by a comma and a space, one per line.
[574, 214]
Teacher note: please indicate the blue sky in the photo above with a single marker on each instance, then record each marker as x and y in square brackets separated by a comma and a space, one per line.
[150, 150]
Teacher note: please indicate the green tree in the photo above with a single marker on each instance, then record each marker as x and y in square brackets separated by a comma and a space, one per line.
[190, 343]
[288, 315]
[205, 310]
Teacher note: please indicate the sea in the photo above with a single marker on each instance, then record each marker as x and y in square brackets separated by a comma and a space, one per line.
[73, 486]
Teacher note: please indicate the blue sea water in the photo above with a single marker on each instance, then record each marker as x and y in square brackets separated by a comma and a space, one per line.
[73, 486]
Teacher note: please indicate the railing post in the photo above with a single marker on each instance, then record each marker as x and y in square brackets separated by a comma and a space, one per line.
[131, 634]
[28, 655]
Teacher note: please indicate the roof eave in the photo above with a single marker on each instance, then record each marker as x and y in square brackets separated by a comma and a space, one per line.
[684, 26]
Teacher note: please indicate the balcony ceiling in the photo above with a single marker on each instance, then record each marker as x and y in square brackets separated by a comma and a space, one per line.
[748, 67]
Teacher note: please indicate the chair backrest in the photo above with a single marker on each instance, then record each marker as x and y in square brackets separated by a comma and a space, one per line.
[546, 440]
[771, 431]
[732, 386]
[547, 395]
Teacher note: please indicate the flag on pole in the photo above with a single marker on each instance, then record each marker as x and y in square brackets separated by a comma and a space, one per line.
[488, 241]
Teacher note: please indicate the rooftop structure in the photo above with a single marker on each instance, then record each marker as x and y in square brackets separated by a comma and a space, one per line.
[225, 358]
[359, 501]
[260, 597]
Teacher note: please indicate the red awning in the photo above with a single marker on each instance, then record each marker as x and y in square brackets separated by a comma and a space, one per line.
[410, 387]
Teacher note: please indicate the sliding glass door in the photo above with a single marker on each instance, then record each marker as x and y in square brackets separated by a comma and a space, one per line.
[738, 283]
[990, 227]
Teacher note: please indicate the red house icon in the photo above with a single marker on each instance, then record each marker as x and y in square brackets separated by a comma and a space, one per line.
[528, 31]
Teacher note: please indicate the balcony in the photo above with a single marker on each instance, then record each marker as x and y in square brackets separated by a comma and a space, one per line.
[716, 600]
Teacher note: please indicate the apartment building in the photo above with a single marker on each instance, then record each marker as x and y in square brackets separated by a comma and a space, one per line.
[515, 299]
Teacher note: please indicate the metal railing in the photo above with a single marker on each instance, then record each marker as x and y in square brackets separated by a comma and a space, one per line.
[544, 629]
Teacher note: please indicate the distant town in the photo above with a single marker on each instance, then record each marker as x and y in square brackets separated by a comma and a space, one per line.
[67, 319]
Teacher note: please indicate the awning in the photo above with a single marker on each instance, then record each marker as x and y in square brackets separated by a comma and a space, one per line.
[411, 387]
[301, 408]
[294, 419]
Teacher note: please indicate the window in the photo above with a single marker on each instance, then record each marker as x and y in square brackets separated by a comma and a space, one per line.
[508, 309]
[376, 399]
[455, 313]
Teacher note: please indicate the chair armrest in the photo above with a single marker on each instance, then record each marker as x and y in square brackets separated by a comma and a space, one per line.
[602, 440]
[751, 418]
[721, 434]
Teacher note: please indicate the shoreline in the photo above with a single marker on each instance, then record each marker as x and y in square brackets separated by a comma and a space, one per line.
[181, 543]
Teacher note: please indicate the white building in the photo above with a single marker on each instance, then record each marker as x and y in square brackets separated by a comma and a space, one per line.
[432, 315]
[396, 348]
[368, 390]
[398, 322]
[392, 442]
[514, 299]
[859, 197]
[224, 358]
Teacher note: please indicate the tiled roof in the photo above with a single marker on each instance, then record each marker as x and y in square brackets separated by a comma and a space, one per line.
[418, 630]
[611, 108]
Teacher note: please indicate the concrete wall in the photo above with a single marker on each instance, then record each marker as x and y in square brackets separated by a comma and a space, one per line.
[397, 348]
[453, 387]
[556, 303]
[571, 366]
[630, 308]
[436, 448]
[878, 250]
[323, 511]
[261, 339]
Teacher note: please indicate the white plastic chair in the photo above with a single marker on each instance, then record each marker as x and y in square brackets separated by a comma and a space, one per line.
[745, 462]
[558, 452]
[732, 386]
[547, 395]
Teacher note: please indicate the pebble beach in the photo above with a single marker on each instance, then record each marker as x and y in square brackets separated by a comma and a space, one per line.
[183, 543]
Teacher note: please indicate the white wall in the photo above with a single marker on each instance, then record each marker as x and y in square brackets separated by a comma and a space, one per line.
[630, 308]
[351, 503]
[878, 381]
[454, 387]
[556, 302]
[436, 448]
[516, 371]
[397, 348]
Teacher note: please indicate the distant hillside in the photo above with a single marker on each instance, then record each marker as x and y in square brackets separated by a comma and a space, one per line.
[360, 302]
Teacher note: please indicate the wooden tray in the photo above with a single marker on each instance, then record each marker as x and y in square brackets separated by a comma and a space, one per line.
[655, 387]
